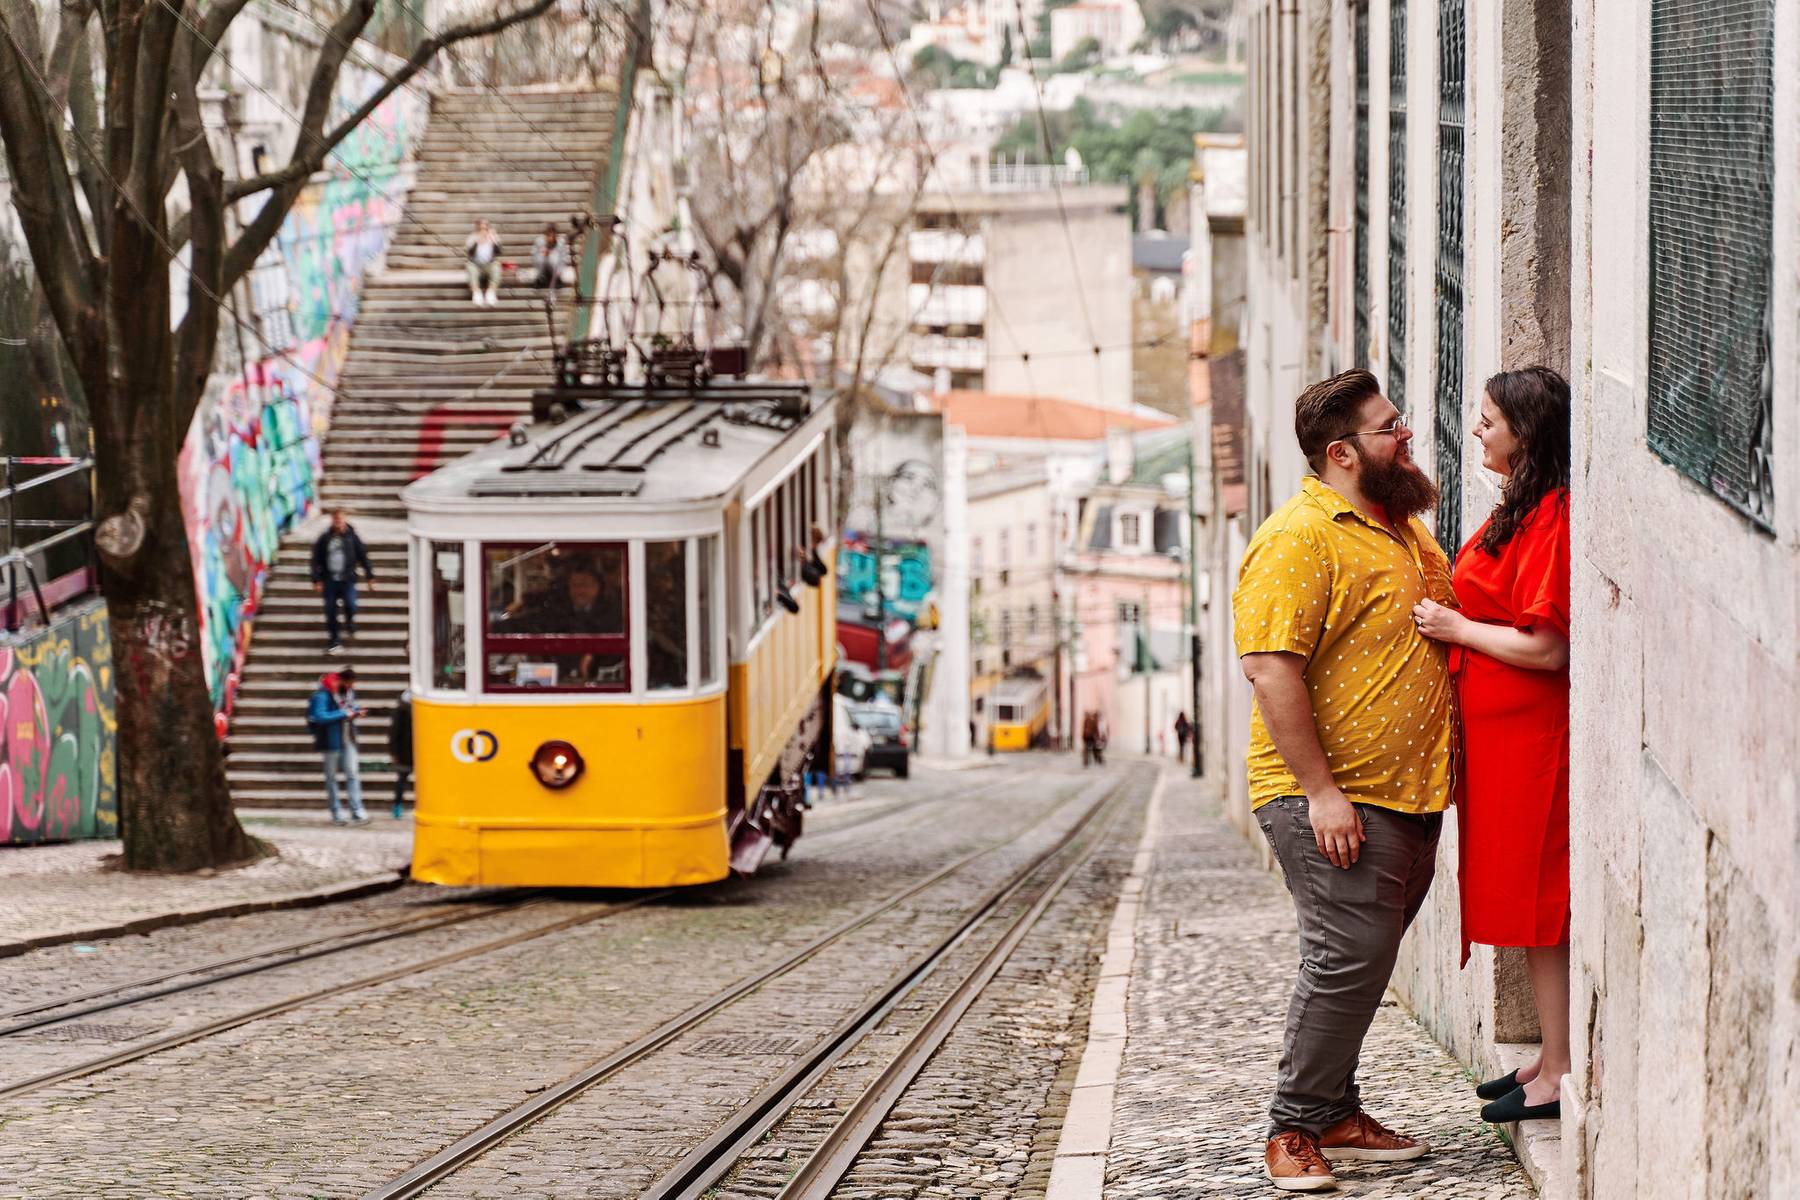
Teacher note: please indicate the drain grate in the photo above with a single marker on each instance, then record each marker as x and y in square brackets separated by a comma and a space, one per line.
[735, 1047]
[95, 1031]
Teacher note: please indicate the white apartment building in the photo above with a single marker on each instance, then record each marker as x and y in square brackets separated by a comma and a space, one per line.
[1017, 281]
[1012, 584]
[1441, 189]
[1115, 24]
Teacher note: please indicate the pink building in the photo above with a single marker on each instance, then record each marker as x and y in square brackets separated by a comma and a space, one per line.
[1125, 594]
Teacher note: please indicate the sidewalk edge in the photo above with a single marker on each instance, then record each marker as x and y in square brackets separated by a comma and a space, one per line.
[350, 889]
[1078, 1169]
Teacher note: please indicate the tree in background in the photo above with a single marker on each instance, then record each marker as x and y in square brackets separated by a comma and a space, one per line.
[934, 67]
[1143, 145]
[102, 114]
[1081, 56]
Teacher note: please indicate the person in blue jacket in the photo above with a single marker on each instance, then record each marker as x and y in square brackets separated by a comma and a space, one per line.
[332, 714]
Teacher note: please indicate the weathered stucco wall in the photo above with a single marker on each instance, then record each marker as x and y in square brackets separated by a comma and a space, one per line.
[1686, 665]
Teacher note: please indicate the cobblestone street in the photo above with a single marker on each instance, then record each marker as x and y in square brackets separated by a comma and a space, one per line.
[420, 1014]
[1215, 958]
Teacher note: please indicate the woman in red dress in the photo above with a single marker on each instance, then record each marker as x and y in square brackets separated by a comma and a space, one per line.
[1509, 653]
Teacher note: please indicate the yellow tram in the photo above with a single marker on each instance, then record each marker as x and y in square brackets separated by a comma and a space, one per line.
[1021, 712]
[623, 633]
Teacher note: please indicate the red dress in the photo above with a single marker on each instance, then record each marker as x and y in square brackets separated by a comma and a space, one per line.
[1513, 800]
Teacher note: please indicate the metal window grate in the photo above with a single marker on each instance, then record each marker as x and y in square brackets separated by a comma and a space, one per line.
[1360, 325]
[1448, 423]
[1396, 312]
[1711, 226]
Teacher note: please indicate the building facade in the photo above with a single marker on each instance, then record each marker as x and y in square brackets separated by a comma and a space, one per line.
[1018, 280]
[1440, 190]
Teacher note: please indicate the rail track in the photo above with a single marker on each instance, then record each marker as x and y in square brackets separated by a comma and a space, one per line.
[713, 1158]
[44, 1014]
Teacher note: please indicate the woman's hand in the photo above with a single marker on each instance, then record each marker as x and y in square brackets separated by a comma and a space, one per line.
[1439, 623]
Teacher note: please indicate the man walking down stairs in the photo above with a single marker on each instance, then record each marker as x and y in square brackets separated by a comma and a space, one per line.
[429, 377]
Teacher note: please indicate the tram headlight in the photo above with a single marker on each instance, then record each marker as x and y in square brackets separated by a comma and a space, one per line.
[557, 764]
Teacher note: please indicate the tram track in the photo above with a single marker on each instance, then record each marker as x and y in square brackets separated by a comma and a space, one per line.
[110, 999]
[709, 1161]
[114, 997]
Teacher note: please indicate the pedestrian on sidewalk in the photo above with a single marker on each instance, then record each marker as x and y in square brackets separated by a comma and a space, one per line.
[400, 748]
[482, 250]
[549, 255]
[1184, 729]
[335, 556]
[1509, 654]
[332, 714]
[1350, 751]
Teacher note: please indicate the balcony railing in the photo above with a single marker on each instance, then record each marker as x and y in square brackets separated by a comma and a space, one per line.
[946, 246]
[957, 353]
[952, 305]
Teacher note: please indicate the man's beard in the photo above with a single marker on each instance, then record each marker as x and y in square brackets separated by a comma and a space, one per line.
[1398, 486]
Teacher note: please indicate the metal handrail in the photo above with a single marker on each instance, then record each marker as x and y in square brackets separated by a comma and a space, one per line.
[19, 556]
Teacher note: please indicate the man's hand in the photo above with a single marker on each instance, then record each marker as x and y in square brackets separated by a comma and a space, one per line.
[369, 583]
[1337, 827]
[318, 587]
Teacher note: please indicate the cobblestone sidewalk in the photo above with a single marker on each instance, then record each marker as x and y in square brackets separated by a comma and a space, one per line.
[1216, 952]
[52, 894]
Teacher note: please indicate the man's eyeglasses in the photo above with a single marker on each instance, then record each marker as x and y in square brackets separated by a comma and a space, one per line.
[1391, 428]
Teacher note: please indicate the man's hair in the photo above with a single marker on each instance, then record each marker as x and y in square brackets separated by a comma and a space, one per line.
[1329, 409]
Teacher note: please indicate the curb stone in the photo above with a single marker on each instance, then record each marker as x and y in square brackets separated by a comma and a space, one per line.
[351, 889]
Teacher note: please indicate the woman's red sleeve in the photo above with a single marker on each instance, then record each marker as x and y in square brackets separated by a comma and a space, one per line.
[1541, 578]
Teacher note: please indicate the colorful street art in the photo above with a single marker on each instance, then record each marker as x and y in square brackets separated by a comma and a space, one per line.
[250, 465]
[58, 730]
[905, 574]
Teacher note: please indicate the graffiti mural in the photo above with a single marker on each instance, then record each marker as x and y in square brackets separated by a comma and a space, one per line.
[58, 730]
[904, 574]
[250, 465]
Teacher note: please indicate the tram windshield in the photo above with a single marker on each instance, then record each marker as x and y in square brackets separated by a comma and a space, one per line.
[556, 617]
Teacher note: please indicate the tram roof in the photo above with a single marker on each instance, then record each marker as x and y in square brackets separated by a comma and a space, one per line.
[655, 449]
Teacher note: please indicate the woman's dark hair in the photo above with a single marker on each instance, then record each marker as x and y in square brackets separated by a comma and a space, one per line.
[1535, 403]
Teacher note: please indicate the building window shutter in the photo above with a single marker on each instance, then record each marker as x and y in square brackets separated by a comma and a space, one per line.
[1448, 422]
[1711, 225]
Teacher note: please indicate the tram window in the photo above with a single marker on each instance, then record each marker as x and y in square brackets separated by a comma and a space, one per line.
[703, 570]
[556, 617]
[448, 661]
[759, 533]
[665, 614]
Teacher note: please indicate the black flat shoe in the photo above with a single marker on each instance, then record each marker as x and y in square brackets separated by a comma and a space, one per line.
[1512, 1107]
[1493, 1089]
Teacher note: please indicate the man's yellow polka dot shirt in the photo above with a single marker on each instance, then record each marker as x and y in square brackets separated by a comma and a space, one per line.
[1322, 580]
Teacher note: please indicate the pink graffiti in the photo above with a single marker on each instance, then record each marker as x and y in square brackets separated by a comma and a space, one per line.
[24, 755]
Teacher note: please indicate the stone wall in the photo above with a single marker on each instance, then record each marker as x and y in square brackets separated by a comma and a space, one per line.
[1686, 670]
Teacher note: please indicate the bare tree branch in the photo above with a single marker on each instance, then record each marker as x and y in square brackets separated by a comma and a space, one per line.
[303, 165]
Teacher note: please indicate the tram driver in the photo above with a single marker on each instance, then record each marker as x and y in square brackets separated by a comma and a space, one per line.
[585, 598]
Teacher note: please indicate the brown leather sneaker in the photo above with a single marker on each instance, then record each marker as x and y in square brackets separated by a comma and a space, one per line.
[1292, 1163]
[1360, 1136]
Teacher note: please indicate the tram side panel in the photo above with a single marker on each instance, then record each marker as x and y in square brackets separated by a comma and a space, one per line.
[782, 679]
[648, 810]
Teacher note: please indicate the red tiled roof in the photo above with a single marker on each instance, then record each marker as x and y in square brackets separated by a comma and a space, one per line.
[1048, 418]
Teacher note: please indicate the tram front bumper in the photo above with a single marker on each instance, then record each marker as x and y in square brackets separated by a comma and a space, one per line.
[669, 855]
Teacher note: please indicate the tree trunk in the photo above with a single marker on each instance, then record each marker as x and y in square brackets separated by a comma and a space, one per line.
[175, 810]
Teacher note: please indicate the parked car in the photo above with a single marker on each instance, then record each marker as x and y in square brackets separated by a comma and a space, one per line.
[849, 741]
[890, 746]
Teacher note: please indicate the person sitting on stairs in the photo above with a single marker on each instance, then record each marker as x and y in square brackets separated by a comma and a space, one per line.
[482, 249]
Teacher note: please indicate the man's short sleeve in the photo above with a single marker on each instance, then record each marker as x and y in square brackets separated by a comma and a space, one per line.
[1283, 594]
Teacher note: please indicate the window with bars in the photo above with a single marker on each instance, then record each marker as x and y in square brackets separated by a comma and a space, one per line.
[1711, 226]
[1396, 308]
[1360, 301]
[1448, 422]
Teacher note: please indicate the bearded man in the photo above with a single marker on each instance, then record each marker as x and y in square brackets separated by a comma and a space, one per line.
[1351, 748]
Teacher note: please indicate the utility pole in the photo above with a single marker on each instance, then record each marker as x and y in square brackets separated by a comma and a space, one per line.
[1191, 584]
[880, 548]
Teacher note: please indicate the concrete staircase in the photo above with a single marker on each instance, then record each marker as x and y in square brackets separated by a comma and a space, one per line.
[428, 378]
